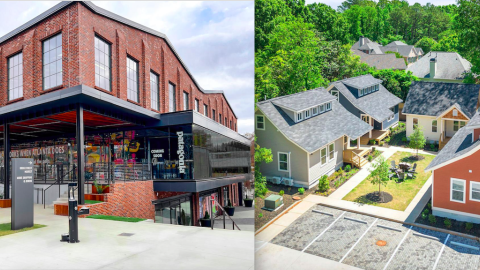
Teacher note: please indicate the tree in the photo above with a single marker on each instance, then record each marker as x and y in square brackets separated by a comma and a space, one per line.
[417, 140]
[426, 44]
[467, 26]
[379, 174]
[261, 155]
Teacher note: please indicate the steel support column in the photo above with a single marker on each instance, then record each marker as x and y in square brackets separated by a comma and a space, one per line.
[80, 155]
[6, 160]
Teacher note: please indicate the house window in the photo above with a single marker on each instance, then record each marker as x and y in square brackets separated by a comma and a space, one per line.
[231, 124]
[205, 110]
[455, 112]
[102, 64]
[299, 117]
[321, 108]
[458, 125]
[172, 98]
[369, 89]
[329, 106]
[154, 90]
[335, 93]
[457, 190]
[331, 151]
[132, 79]
[213, 115]
[377, 87]
[283, 162]
[315, 111]
[323, 155]
[415, 123]
[186, 101]
[434, 126]
[307, 114]
[196, 105]
[220, 118]
[361, 92]
[475, 191]
[52, 62]
[225, 121]
[15, 76]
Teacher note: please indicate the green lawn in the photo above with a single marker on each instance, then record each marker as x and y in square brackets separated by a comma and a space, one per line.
[92, 202]
[125, 219]
[5, 229]
[403, 192]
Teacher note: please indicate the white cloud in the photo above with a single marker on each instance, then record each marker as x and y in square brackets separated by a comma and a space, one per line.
[214, 38]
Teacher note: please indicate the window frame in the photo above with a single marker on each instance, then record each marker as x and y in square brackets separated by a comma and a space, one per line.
[43, 62]
[455, 112]
[435, 126]
[158, 90]
[18, 76]
[464, 189]
[213, 115]
[299, 116]
[205, 109]
[197, 105]
[186, 101]
[323, 156]
[328, 106]
[307, 113]
[314, 111]
[220, 119]
[279, 161]
[413, 123]
[337, 94]
[331, 152]
[321, 108]
[471, 190]
[110, 65]
[170, 98]
[137, 75]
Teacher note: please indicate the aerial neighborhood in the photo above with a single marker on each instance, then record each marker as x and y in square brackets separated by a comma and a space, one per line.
[389, 138]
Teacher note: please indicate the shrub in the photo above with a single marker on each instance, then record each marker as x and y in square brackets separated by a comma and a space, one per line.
[348, 168]
[468, 226]
[381, 143]
[301, 190]
[206, 216]
[323, 183]
[340, 171]
[353, 142]
[260, 215]
[387, 139]
[425, 214]
[429, 206]
[401, 125]
[370, 158]
[404, 139]
[376, 153]
[432, 219]
[448, 223]
[371, 141]
[432, 147]
[281, 192]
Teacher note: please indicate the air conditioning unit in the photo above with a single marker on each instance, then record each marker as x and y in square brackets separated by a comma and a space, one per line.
[276, 180]
[287, 181]
[269, 178]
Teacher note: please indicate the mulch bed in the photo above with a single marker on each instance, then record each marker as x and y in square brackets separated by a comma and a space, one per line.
[384, 198]
[457, 226]
[416, 158]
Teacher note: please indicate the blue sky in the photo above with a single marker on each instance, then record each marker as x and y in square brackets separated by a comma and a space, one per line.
[335, 3]
[214, 38]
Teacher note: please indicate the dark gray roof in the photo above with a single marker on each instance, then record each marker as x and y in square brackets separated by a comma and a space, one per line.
[460, 144]
[303, 100]
[376, 104]
[433, 98]
[368, 45]
[316, 132]
[115, 17]
[450, 66]
[361, 82]
[381, 61]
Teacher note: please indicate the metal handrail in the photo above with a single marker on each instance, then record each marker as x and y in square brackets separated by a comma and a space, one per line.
[60, 182]
[224, 214]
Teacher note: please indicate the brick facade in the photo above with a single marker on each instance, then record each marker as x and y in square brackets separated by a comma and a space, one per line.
[79, 25]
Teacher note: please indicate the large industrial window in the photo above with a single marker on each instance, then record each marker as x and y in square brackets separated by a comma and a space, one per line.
[172, 97]
[102, 64]
[196, 105]
[15, 76]
[185, 101]
[154, 90]
[52, 62]
[132, 79]
[205, 110]
[213, 115]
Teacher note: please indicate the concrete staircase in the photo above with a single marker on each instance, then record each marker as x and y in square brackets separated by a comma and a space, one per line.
[64, 197]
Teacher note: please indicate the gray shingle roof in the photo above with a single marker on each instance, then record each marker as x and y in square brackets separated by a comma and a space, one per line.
[459, 144]
[395, 43]
[376, 104]
[381, 61]
[115, 17]
[433, 98]
[361, 81]
[316, 132]
[450, 66]
[303, 100]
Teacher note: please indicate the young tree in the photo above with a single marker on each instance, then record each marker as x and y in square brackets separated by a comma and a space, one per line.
[417, 140]
[379, 174]
[261, 155]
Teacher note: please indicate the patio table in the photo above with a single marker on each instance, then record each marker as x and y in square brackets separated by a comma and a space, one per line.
[404, 166]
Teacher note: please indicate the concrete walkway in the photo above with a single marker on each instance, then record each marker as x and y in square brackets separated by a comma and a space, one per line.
[153, 246]
[244, 217]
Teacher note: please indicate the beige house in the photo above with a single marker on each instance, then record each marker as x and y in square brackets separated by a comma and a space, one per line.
[440, 109]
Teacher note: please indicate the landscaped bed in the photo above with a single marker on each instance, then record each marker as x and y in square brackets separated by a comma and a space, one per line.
[92, 202]
[439, 222]
[5, 229]
[125, 219]
[402, 192]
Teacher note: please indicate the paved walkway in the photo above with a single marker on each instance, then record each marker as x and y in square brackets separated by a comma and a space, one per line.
[244, 217]
[153, 246]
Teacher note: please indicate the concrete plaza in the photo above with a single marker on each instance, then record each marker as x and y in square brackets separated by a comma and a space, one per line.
[152, 246]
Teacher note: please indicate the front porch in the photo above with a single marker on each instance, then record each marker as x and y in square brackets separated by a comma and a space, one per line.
[443, 141]
[356, 156]
[376, 135]
[448, 128]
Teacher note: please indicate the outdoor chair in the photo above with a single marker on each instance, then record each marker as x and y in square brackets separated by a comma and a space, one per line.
[411, 175]
[413, 170]
[393, 166]
[401, 175]
[391, 175]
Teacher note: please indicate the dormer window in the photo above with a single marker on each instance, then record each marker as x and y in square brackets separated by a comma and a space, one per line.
[361, 92]
[299, 116]
[369, 89]
[315, 111]
[329, 106]
[321, 108]
[307, 114]
[377, 87]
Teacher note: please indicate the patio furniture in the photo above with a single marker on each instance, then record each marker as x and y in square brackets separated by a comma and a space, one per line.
[404, 166]
[413, 170]
[391, 175]
[411, 175]
[393, 166]
[401, 175]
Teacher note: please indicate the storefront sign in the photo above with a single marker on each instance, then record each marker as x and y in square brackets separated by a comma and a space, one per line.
[181, 153]
[22, 193]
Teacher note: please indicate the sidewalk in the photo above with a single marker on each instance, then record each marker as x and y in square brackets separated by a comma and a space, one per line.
[244, 217]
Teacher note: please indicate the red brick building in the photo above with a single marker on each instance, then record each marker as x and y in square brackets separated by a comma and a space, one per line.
[80, 75]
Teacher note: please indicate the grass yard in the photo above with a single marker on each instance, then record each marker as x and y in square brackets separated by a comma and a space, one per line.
[403, 192]
[125, 219]
[5, 229]
[92, 202]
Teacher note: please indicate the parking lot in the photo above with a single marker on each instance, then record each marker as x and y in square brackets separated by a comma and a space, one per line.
[371, 243]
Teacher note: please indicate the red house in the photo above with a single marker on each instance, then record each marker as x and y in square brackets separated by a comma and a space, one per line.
[456, 175]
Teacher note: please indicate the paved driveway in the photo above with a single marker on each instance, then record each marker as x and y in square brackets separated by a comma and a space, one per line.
[351, 239]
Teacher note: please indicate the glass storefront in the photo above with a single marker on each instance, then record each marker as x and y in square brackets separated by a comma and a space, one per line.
[203, 202]
[177, 210]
